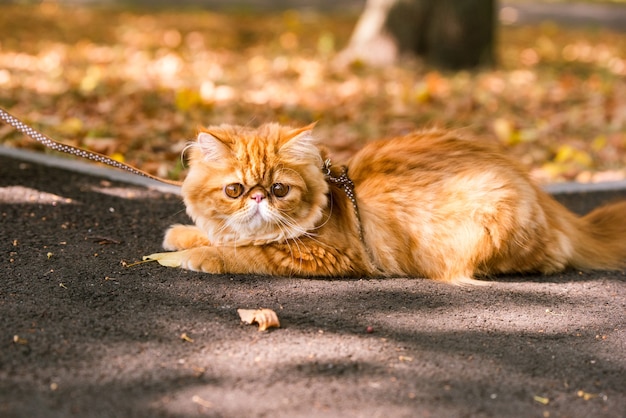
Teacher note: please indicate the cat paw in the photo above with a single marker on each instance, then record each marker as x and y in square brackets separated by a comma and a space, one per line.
[182, 237]
[204, 259]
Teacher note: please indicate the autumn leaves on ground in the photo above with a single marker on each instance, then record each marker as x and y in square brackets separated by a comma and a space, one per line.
[137, 84]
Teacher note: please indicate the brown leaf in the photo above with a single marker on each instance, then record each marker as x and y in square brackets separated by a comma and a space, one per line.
[266, 318]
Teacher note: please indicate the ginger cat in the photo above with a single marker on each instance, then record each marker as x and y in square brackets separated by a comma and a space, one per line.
[430, 204]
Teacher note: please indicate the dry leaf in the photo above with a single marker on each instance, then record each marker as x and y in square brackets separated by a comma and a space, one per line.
[586, 395]
[266, 318]
[19, 340]
[202, 402]
[170, 259]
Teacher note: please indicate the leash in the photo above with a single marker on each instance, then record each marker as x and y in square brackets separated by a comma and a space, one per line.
[347, 185]
[48, 142]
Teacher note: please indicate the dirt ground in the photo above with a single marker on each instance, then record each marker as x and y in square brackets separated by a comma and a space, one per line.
[82, 335]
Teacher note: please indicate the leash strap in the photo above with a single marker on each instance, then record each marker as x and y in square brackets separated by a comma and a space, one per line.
[48, 142]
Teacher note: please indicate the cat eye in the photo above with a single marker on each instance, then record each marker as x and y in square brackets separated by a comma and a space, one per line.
[234, 190]
[280, 190]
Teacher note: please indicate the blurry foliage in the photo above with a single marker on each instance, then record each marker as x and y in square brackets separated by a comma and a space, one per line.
[137, 85]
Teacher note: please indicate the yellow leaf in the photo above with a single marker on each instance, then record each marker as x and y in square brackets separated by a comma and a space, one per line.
[564, 153]
[118, 157]
[171, 259]
[567, 153]
[582, 158]
[505, 131]
[186, 99]
[326, 43]
[92, 79]
[70, 126]
[553, 170]
[421, 93]
[599, 143]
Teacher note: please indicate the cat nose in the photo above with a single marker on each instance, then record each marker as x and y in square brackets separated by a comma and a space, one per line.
[257, 196]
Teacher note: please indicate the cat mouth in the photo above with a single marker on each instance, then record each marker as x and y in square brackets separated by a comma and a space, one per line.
[258, 217]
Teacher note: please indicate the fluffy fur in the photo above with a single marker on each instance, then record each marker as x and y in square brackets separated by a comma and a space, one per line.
[431, 204]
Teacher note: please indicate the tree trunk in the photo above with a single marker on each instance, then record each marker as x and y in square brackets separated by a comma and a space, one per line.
[451, 34]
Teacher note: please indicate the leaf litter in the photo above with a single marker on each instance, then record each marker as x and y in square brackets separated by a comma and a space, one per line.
[136, 85]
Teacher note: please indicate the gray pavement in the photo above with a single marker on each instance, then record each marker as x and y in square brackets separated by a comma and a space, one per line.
[81, 335]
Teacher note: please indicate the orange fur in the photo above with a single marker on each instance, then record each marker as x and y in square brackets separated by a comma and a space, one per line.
[431, 204]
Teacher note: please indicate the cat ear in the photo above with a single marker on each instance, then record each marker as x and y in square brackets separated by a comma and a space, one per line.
[302, 144]
[212, 148]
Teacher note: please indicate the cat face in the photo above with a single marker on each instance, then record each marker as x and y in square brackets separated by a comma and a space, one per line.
[247, 185]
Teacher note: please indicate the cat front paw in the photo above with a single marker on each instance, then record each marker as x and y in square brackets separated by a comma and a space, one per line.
[182, 237]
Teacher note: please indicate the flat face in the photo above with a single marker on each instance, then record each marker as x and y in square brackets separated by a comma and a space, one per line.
[255, 184]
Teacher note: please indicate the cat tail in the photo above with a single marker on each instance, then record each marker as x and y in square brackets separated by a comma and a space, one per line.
[600, 243]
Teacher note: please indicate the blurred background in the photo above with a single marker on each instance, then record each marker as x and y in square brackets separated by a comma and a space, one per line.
[135, 79]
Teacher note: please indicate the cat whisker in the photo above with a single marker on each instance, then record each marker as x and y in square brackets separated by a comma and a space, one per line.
[282, 169]
[171, 215]
[291, 224]
[190, 144]
[297, 241]
[330, 212]
[291, 249]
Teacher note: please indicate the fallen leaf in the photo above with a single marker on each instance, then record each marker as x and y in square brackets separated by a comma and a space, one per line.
[170, 259]
[105, 240]
[266, 318]
[19, 340]
[586, 395]
[202, 402]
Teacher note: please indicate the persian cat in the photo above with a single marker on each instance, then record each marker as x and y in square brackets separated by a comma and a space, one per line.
[428, 204]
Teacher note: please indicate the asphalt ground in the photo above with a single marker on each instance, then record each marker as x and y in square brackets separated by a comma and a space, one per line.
[82, 334]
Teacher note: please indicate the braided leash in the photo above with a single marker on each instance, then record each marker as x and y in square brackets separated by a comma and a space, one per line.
[48, 142]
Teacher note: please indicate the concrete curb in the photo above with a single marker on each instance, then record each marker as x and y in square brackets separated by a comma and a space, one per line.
[104, 172]
[84, 167]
